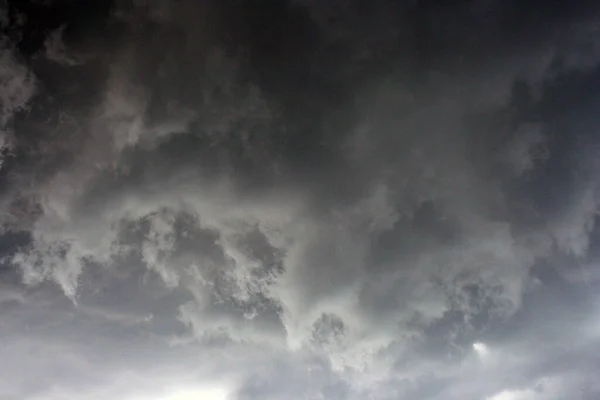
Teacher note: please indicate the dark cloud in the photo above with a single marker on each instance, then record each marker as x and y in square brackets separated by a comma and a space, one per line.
[299, 199]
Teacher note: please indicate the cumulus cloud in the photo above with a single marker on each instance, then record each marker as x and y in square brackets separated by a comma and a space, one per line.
[300, 200]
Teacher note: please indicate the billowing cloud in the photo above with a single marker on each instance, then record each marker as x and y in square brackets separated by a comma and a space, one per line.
[299, 200]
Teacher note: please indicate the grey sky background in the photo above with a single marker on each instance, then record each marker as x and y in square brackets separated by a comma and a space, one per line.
[299, 200]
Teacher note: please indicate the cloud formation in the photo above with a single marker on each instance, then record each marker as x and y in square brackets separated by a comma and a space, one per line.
[299, 200]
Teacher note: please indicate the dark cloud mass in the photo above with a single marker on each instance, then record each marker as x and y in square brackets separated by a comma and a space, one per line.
[299, 199]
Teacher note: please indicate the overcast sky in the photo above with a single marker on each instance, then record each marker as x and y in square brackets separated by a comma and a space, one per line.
[299, 199]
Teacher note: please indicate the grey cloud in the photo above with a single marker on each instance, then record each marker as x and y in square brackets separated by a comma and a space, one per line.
[336, 206]
[56, 50]
[17, 85]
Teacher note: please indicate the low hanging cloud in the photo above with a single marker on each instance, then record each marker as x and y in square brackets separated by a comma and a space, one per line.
[300, 200]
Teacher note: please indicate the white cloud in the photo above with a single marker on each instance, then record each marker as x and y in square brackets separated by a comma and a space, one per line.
[548, 388]
[207, 393]
[481, 349]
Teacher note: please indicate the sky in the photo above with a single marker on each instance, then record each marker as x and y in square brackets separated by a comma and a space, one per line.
[299, 199]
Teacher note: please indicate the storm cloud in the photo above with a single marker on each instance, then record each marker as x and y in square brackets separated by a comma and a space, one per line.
[299, 200]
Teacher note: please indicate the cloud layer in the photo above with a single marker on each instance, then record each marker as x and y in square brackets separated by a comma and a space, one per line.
[302, 200]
